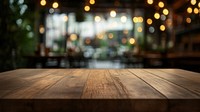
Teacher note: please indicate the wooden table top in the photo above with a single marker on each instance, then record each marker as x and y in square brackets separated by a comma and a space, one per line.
[55, 90]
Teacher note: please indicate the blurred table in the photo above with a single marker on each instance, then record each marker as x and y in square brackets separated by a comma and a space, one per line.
[33, 60]
[101, 90]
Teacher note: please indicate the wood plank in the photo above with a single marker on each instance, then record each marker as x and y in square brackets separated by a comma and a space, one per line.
[190, 85]
[101, 86]
[193, 76]
[35, 87]
[142, 96]
[18, 80]
[169, 89]
[133, 86]
[69, 87]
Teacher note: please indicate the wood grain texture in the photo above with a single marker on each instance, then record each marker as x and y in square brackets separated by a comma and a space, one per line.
[167, 88]
[99, 90]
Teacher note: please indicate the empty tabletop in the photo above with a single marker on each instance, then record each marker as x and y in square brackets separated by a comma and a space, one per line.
[101, 90]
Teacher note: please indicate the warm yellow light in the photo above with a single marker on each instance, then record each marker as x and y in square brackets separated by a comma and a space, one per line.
[162, 27]
[55, 5]
[140, 19]
[87, 8]
[100, 36]
[132, 41]
[97, 18]
[92, 2]
[65, 18]
[161, 4]
[135, 19]
[193, 2]
[165, 11]
[41, 29]
[110, 36]
[199, 4]
[123, 19]
[43, 2]
[139, 29]
[196, 10]
[157, 15]
[189, 10]
[150, 2]
[113, 13]
[149, 21]
[73, 37]
[188, 20]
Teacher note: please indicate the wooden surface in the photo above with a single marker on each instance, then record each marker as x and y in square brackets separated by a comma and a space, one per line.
[99, 90]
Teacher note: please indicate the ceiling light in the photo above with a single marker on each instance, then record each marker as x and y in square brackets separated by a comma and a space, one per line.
[123, 19]
[132, 41]
[162, 27]
[150, 2]
[193, 2]
[140, 19]
[97, 18]
[87, 8]
[165, 11]
[113, 13]
[189, 10]
[92, 2]
[157, 15]
[196, 10]
[73, 37]
[135, 19]
[55, 5]
[161, 4]
[43, 2]
[149, 21]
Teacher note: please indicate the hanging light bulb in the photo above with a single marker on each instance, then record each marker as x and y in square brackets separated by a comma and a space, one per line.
[189, 10]
[161, 4]
[196, 10]
[97, 18]
[199, 4]
[162, 27]
[150, 2]
[43, 2]
[135, 19]
[87, 8]
[123, 19]
[156, 15]
[193, 2]
[55, 5]
[92, 2]
[132, 41]
[149, 21]
[165, 11]
[113, 13]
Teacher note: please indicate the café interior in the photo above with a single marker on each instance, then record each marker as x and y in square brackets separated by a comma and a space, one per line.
[100, 34]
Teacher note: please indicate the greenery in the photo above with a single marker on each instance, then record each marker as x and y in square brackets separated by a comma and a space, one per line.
[17, 33]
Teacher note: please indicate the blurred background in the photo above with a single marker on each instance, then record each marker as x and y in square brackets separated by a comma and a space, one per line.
[100, 34]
